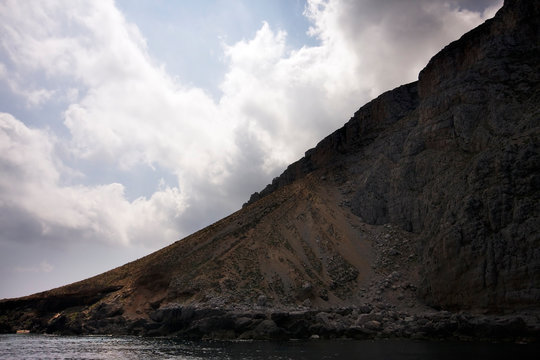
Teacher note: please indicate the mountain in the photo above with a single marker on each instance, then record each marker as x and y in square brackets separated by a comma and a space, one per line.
[418, 218]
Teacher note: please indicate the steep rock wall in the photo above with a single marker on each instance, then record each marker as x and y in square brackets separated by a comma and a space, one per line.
[455, 159]
[479, 100]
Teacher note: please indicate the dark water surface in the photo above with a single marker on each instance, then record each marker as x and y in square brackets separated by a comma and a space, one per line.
[128, 347]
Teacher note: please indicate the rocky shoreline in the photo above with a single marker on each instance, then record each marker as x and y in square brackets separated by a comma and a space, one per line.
[362, 322]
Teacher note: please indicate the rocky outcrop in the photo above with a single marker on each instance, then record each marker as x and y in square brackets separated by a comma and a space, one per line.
[419, 218]
[359, 322]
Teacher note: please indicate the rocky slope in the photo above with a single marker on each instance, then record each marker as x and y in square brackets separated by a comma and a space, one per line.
[419, 217]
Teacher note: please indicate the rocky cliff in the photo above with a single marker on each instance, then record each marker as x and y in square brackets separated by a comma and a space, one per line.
[454, 159]
[419, 214]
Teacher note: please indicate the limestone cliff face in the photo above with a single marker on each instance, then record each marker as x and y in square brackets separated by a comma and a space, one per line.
[455, 160]
[428, 195]
[480, 104]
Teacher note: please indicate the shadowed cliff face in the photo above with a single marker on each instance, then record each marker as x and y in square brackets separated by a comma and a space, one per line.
[428, 195]
[454, 159]
[481, 94]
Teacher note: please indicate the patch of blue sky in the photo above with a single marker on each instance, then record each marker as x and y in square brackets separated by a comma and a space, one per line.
[188, 36]
[35, 98]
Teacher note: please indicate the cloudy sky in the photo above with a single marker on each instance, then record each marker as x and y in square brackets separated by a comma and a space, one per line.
[126, 125]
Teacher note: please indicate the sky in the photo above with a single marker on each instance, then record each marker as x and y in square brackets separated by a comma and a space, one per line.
[127, 125]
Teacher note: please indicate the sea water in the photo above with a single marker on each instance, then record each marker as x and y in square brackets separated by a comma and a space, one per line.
[30, 346]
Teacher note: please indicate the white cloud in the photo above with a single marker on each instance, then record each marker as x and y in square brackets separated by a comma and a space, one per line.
[34, 96]
[126, 110]
[291, 99]
[31, 188]
[392, 40]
